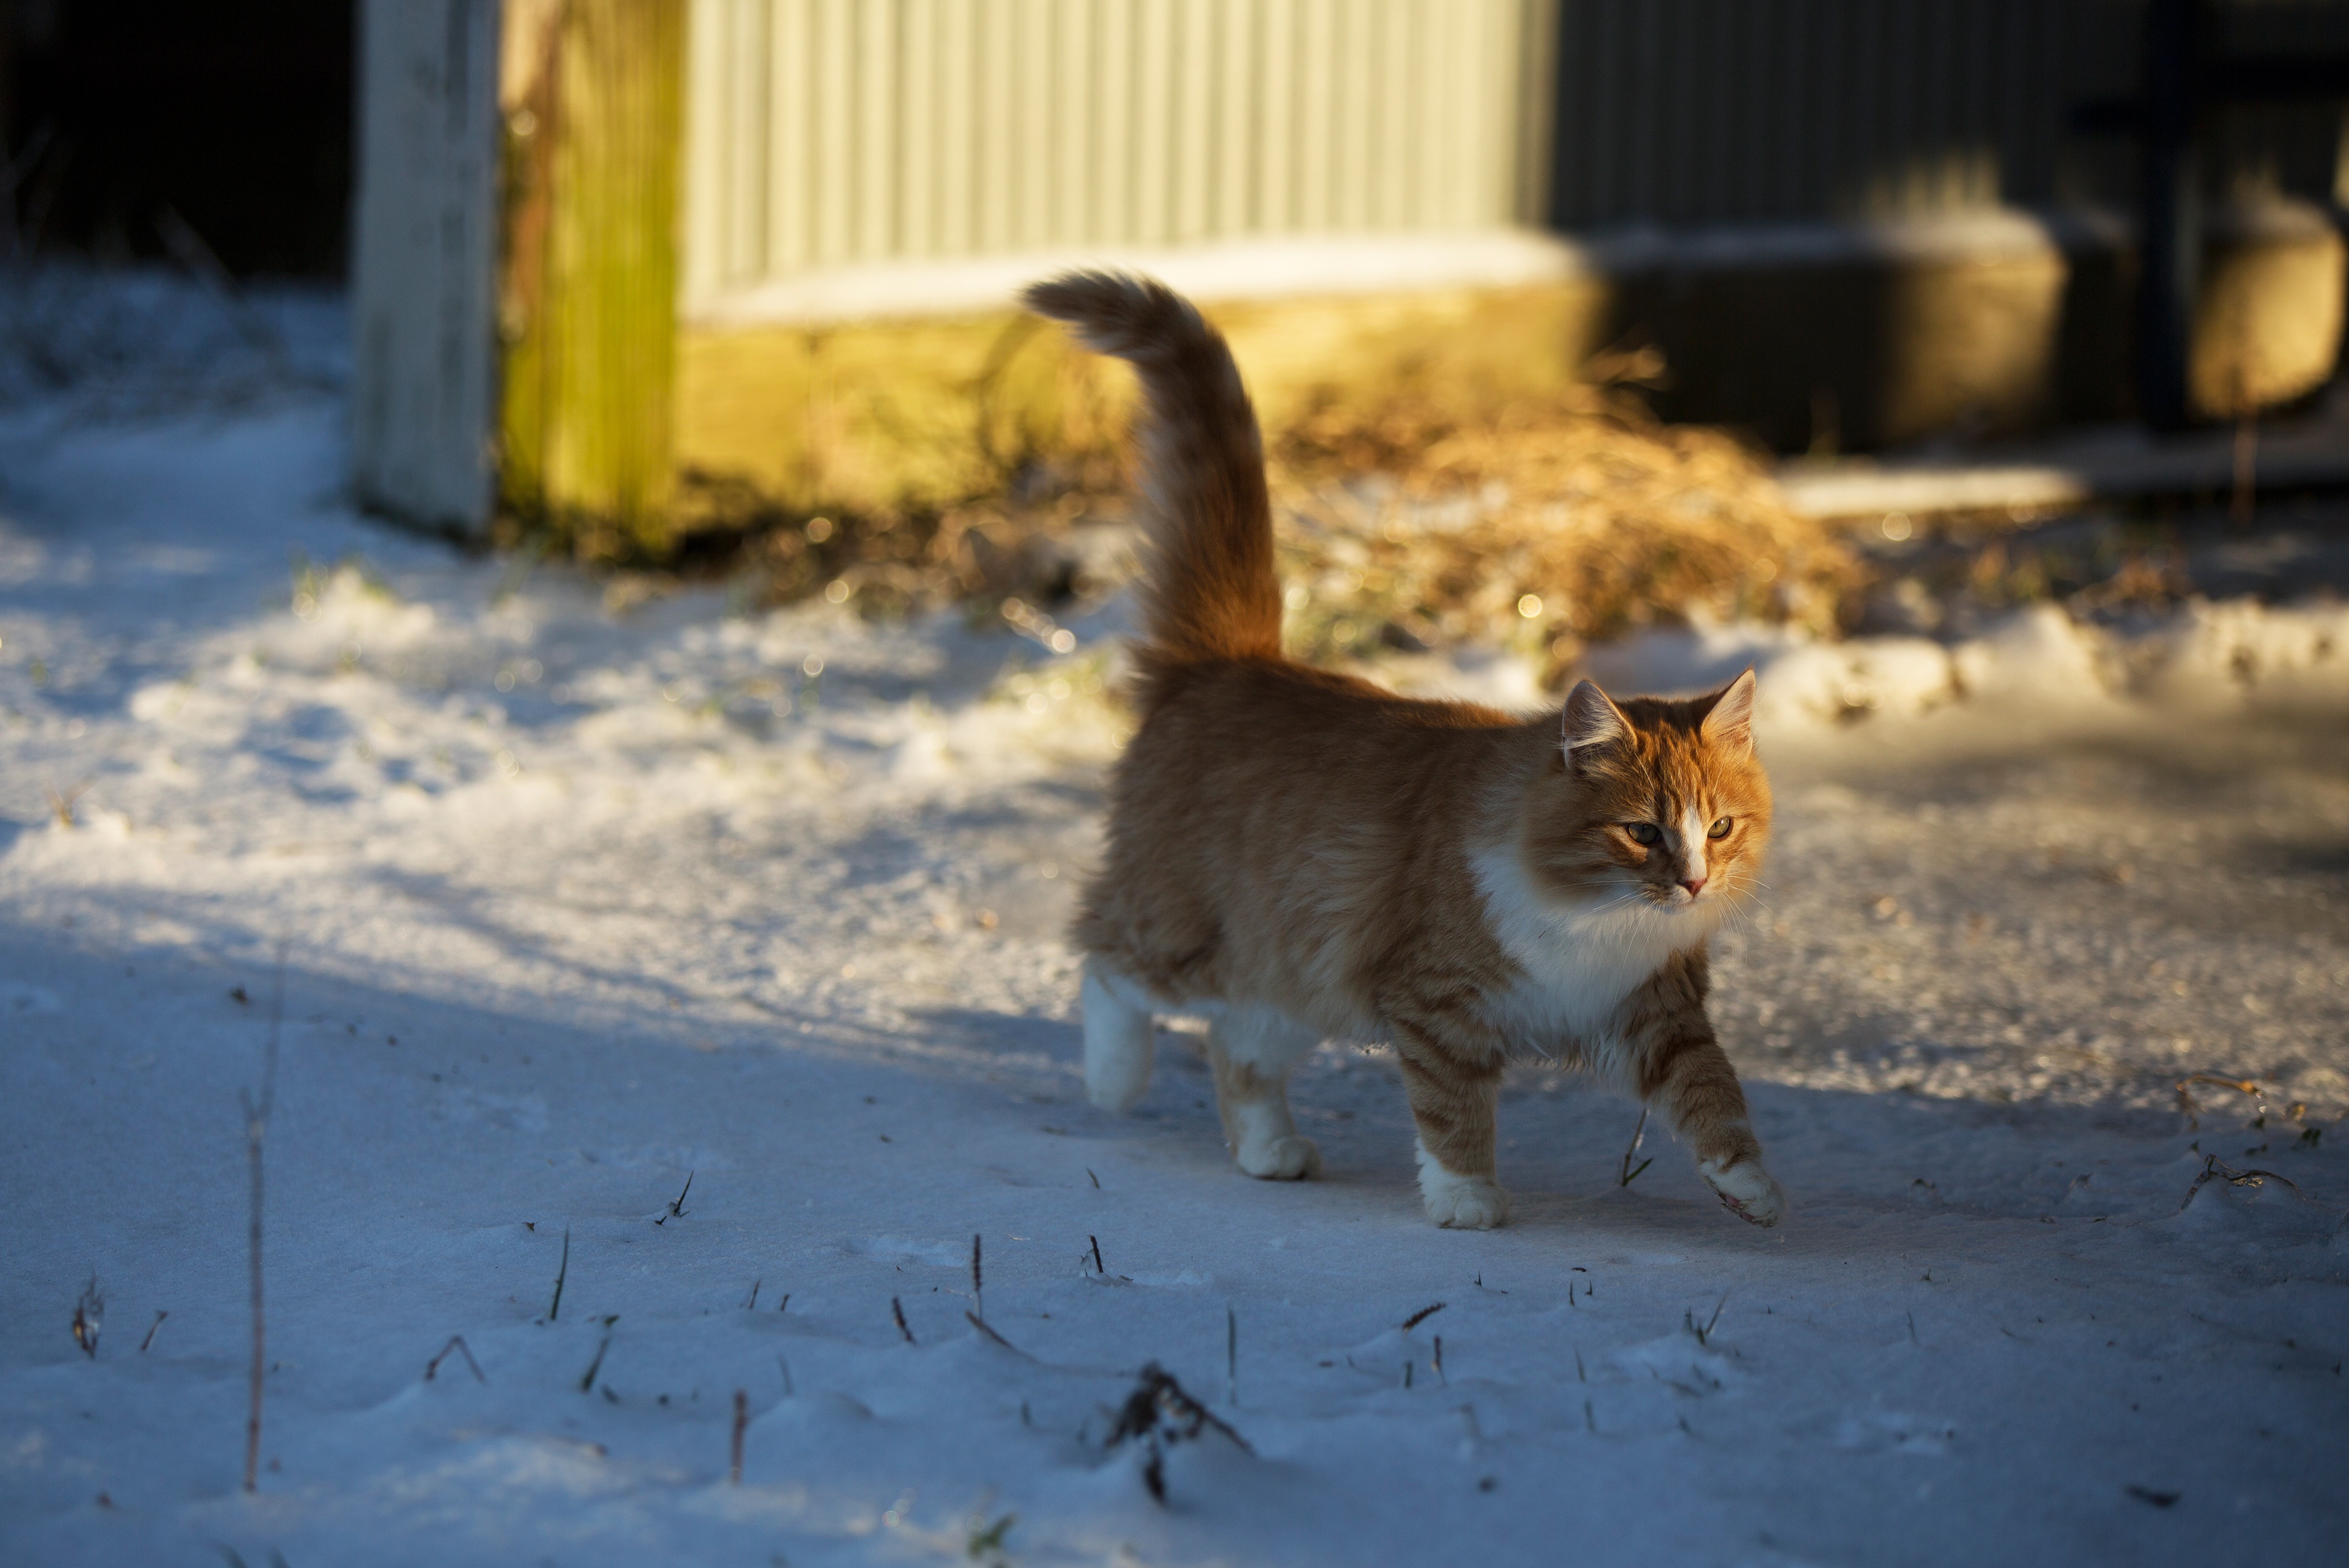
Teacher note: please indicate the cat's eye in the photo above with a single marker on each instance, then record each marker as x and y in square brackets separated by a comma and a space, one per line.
[1643, 832]
[1719, 829]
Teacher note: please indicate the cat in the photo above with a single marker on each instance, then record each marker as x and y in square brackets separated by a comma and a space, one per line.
[1300, 856]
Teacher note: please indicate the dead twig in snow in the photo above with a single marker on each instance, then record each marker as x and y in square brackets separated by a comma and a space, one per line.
[562, 1272]
[897, 1311]
[150, 1331]
[89, 1314]
[741, 1421]
[2193, 1112]
[977, 1300]
[456, 1342]
[1158, 1415]
[61, 806]
[256, 1130]
[677, 1205]
[2217, 1169]
[1704, 1334]
[979, 1323]
[588, 1381]
[1421, 1316]
[1627, 1173]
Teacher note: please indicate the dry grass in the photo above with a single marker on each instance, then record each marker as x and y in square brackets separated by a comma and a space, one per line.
[1547, 523]
[1408, 520]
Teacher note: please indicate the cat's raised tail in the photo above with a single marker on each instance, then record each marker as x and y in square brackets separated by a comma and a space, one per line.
[1208, 590]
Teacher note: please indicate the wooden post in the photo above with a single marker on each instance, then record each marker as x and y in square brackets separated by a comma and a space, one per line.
[423, 263]
[587, 315]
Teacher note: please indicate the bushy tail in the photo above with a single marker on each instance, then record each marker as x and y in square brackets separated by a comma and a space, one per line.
[1208, 589]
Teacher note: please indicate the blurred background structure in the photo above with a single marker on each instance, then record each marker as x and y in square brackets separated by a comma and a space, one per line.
[236, 116]
[628, 271]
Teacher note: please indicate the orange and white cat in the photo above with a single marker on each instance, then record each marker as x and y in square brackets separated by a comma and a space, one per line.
[1301, 856]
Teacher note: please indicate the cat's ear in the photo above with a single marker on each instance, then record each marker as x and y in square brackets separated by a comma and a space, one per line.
[1591, 719]
[1729, 723]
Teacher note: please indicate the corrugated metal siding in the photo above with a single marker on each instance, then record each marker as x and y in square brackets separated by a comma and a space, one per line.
[1727, 112]
[2294, 148]
[827, 132]
[1714, 112]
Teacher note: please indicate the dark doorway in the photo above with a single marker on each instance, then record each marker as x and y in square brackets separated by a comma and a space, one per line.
[233, 114]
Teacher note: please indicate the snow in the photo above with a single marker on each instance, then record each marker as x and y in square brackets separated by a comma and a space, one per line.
[582, 893]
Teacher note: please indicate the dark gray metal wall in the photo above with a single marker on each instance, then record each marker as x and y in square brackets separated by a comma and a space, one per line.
[1740, 111]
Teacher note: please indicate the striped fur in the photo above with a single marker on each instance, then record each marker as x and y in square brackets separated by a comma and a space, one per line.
[1300, 856]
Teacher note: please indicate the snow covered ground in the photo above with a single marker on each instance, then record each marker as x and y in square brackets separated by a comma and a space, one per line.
[579, 898]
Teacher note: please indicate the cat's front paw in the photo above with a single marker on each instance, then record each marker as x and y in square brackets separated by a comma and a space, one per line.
[1287, 1159]
[1462, 1202]
[1748, 1191]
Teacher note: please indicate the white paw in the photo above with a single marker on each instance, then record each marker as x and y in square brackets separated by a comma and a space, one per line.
[1470, 1203]
[1461, 1203]
[1748, 1191]
[1289, 1158]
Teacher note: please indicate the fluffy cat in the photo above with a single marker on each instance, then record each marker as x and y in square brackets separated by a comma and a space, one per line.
[1301, 856]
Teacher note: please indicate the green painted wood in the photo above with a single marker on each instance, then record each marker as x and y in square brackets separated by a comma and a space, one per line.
[588, 316]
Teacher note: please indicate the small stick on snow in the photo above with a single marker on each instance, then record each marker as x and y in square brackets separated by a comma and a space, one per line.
[752, 1304]
[1096, 1180]
[1627, 1173]
[898, 1312]
[977, 1300]
[256, 1128]
[61, 806]
[562, 1272]
[1912, 1331]
[741, 1420]
[2193, 1112]
[2217, 1169]
[588, 1381]
[786, 1368]
[1097, 1263]
[979, 1323]
[150, 1331]
[1231, 1356]
[677, 1204]
[90, 1313]
[456, 1342]
[1421, 1316]
[784, 1302]
[1439, 1361]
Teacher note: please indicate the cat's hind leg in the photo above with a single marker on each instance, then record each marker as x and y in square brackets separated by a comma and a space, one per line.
[1121, 1036]
[1254, 1050]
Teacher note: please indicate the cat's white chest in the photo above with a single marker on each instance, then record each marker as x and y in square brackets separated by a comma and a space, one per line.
[1581, 959]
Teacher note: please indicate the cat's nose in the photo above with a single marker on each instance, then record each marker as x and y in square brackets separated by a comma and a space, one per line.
[1694, 884]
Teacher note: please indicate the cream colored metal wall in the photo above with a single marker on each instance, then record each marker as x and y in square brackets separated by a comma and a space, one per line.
[825, 133]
